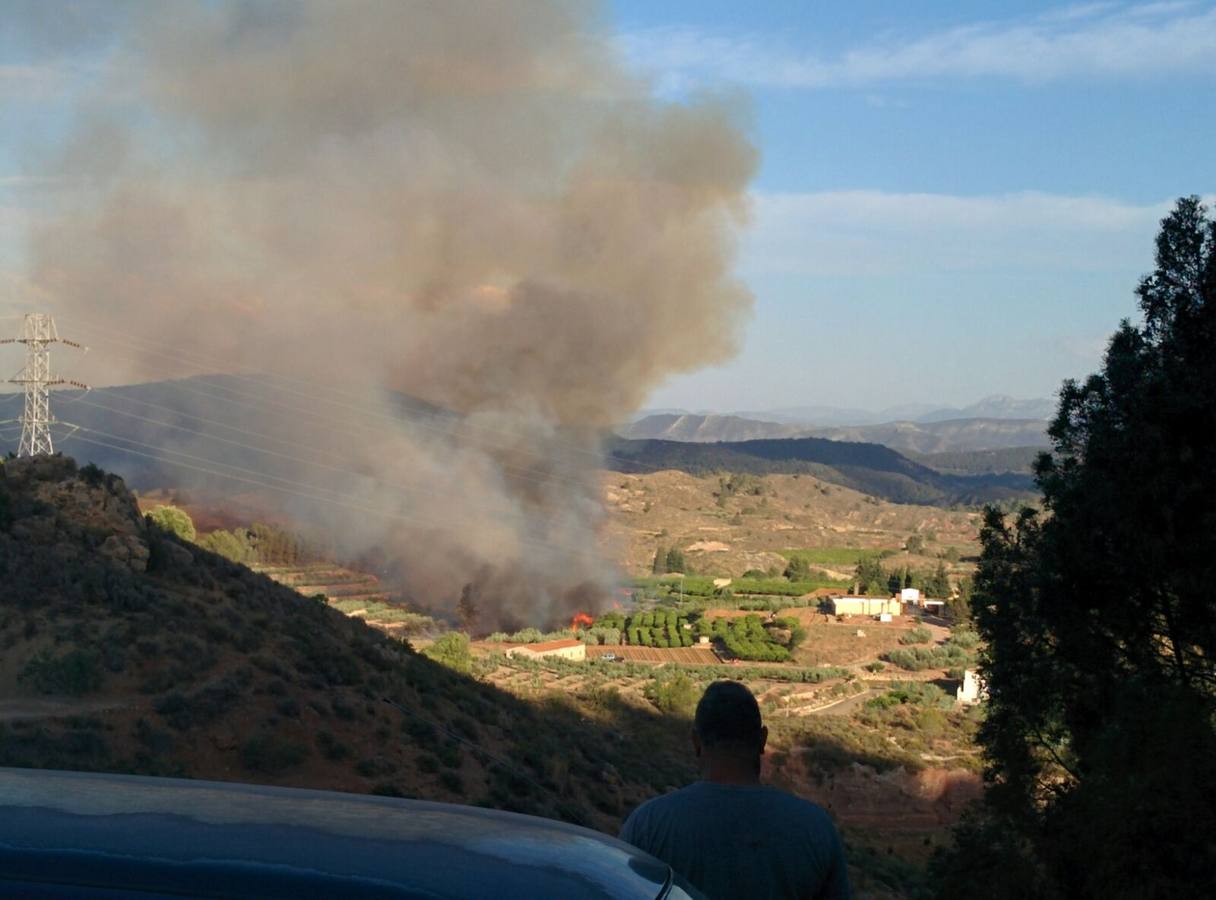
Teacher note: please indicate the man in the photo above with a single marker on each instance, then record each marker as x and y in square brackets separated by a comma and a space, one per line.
[731, 836]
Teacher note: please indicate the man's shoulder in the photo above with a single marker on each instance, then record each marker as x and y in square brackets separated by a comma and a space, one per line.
[670, 800]
[702, 792]
[808, 813]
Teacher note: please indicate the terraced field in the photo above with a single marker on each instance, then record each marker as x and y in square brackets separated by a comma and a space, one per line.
[688, 656]
[356, 594]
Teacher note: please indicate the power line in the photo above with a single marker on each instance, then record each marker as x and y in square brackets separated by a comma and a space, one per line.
[259, 402]
[292, 491]
[349, 472]
[210, 365]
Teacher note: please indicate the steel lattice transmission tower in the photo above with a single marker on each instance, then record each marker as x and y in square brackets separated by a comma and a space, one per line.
[36, 420]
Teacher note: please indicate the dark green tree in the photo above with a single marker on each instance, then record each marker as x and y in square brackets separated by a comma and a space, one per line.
[659, 566]
[938, 584]
[467, 609]
[870, 575]
[675, 560]
[798, 569]
[895, 581]
[1100, 620]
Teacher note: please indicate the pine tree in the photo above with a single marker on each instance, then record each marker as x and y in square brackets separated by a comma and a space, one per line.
[1100, 620]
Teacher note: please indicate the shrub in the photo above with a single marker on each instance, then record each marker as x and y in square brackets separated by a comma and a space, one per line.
[173, 520]
[451, 650]
[232, 545]
[963, 637]
[917, 635]
[77, 672]
[676, 695]
[331, 748]
[270, 754]
[916, 659]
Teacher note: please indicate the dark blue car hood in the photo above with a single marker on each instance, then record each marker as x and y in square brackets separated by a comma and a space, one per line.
[175, 837]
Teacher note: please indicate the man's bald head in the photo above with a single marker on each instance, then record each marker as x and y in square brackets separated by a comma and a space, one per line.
[728, 718]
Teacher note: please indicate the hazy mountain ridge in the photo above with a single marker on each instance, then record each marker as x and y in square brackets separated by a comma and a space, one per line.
[995, 406]
[944, 436]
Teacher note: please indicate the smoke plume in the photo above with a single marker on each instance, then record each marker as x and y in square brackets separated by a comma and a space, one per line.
[473, 203]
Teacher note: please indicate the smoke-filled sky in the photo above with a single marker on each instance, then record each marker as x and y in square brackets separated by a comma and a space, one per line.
[975, 189]
[477, 204]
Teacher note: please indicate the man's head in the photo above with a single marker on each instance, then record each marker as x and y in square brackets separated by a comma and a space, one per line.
[727, 731]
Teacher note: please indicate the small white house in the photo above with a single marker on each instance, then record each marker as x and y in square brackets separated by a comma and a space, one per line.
[910, 596]
[972, 690]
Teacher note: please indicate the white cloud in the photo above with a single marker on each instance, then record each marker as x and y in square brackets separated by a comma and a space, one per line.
[863, 233]
[1099, 39]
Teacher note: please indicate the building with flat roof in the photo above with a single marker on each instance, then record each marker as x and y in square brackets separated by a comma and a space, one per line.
[570, 648]
[866, 606]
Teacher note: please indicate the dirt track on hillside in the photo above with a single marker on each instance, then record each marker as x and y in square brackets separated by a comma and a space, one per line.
[26, 708]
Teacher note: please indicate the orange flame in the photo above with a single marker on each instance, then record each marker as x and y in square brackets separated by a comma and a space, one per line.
[581, 619]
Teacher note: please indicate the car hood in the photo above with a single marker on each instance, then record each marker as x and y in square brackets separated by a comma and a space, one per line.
[215, 837]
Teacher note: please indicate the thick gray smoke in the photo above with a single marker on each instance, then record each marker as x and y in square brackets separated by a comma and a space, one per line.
[468, 202]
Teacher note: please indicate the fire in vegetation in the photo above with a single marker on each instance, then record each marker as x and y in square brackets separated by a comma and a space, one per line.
[581, 620]
[473, 204]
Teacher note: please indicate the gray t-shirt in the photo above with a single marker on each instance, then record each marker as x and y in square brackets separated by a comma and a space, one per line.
[743, 841]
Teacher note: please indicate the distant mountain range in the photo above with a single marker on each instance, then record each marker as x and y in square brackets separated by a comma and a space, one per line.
[997, 406]
[930, 436]
[179, 433]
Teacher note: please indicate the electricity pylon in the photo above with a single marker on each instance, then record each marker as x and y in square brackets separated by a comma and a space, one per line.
[36, 420]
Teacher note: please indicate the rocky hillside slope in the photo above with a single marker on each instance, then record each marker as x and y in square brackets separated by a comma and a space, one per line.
[123, 649]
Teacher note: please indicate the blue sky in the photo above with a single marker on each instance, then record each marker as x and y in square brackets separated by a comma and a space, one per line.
[953, 199]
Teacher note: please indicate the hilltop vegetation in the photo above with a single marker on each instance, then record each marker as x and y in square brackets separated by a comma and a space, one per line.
[128, 649]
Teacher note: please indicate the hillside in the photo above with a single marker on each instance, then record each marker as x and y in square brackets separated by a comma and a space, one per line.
[127, 650]
[981, 462]
[752, 522]
[936, 436]
[868, 468]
